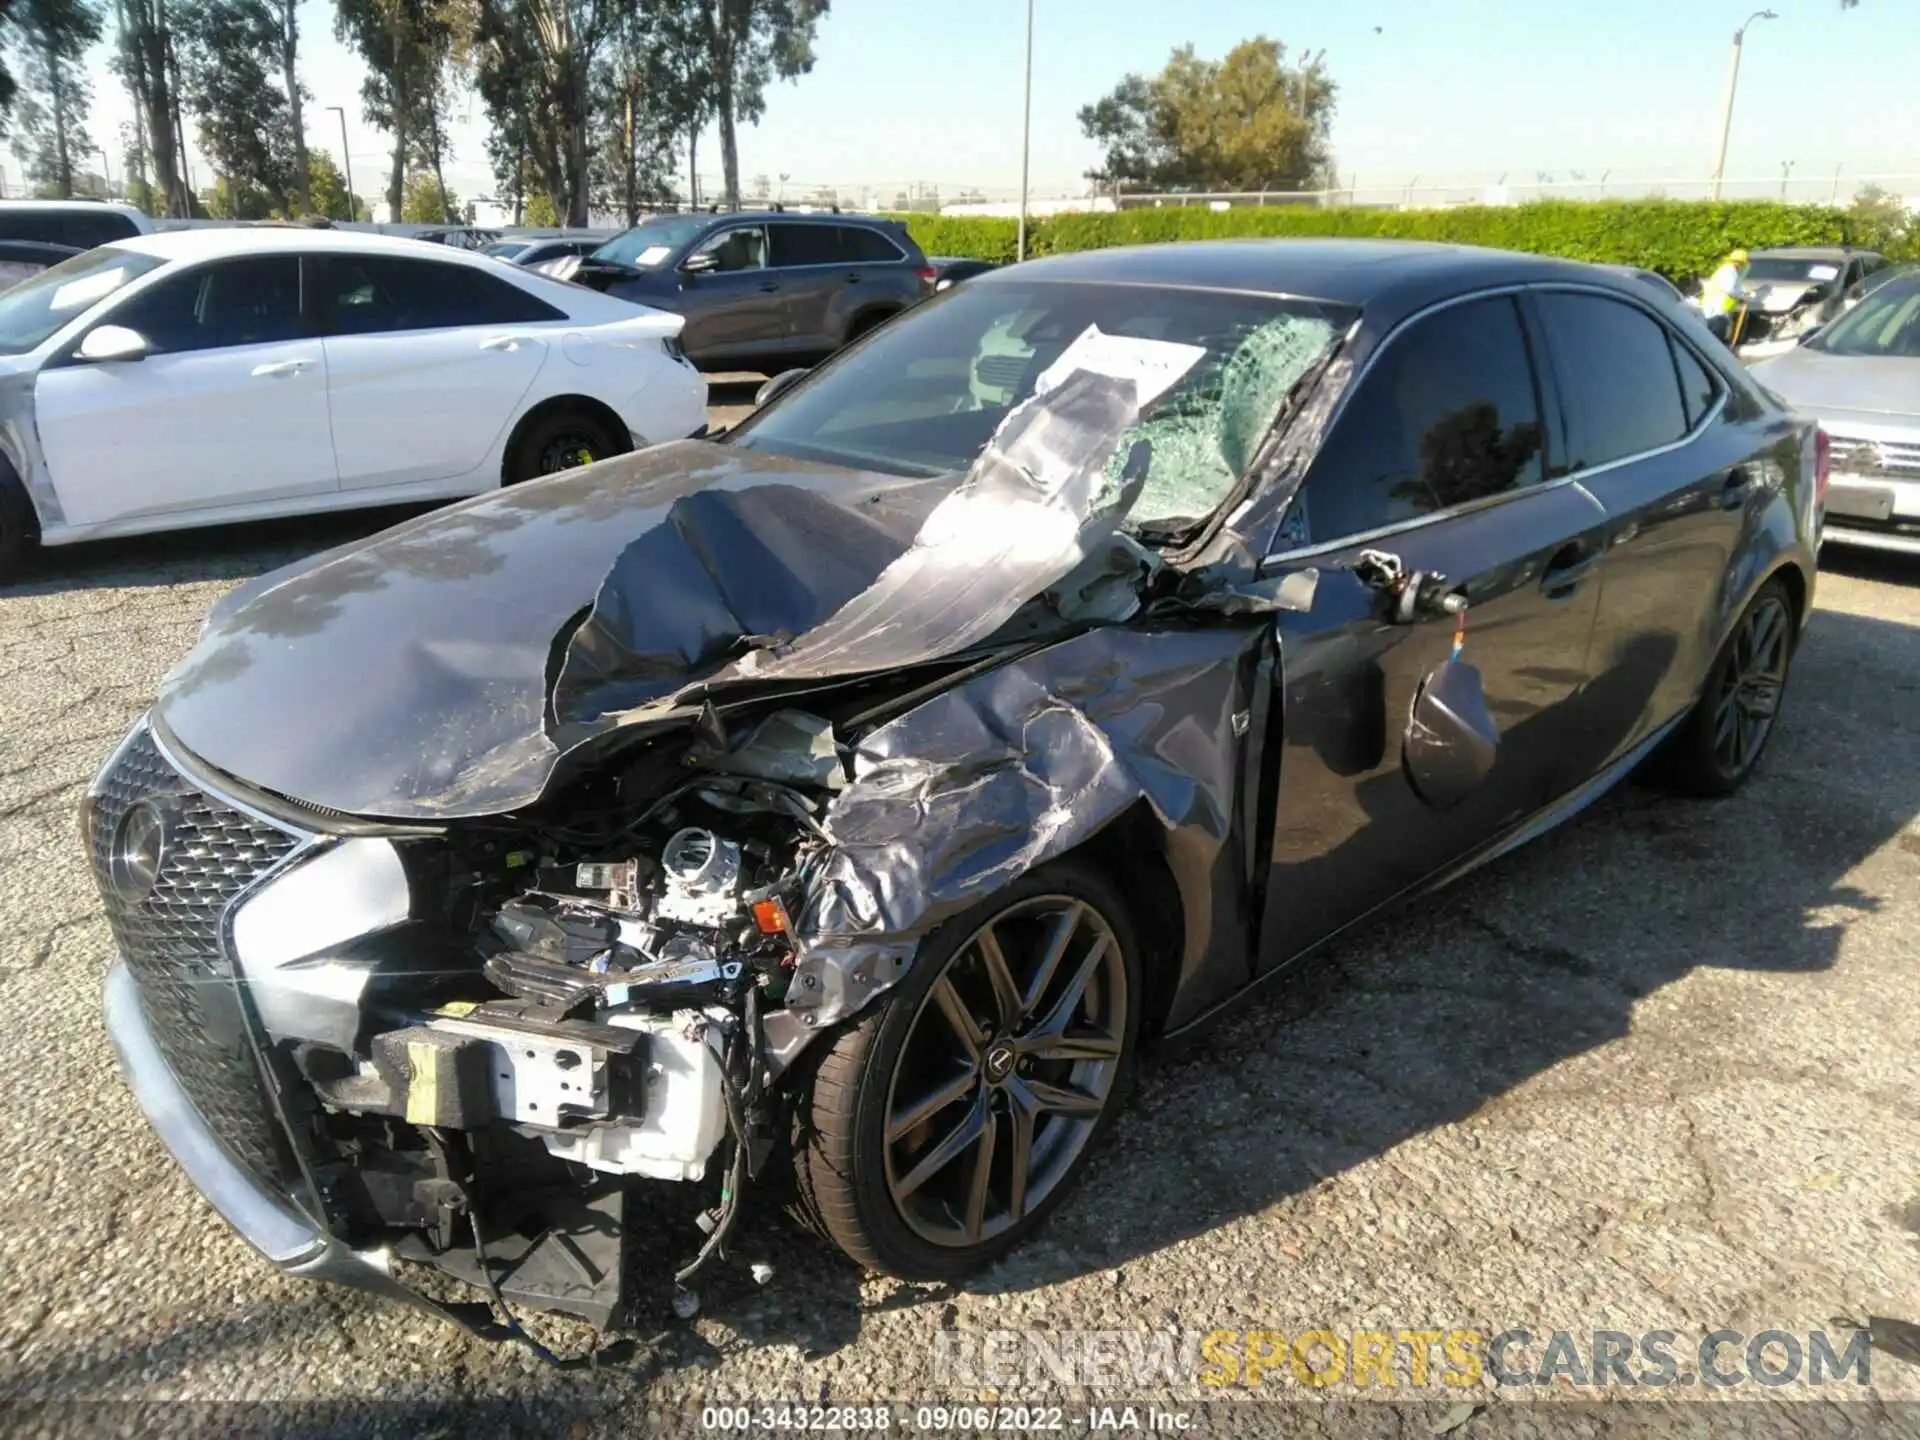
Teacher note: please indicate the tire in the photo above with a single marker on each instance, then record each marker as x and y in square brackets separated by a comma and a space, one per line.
[560, 440]
[1719, 744]
[891, 1204]
[19, 528]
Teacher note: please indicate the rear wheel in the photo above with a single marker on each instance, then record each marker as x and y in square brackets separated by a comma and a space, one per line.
[19, 528]
[942, 1127]
[1720, 743]
[562, 440]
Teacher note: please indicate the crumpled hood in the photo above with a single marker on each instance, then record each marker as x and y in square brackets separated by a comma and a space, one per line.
[1823, 384]
[408, 675]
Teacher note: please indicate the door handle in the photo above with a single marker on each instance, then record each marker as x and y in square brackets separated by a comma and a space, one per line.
[854, 278]
[1733, 494]
[277, 368]
[1570, 564]
[507, 343]
[769, 286]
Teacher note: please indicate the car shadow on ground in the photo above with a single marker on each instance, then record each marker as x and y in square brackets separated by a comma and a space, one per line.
[1425, 1015]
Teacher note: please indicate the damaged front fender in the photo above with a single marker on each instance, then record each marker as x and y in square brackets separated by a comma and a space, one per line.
[1018, 766]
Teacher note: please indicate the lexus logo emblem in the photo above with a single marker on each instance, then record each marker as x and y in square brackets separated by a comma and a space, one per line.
[139, 847]
[999, 1062]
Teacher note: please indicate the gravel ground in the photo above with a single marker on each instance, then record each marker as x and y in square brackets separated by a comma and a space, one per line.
[1655, 1072]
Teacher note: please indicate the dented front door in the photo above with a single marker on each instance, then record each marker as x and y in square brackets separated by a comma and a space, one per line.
[1351, 826]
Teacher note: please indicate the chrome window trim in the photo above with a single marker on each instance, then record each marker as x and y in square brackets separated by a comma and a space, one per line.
[1574, 477]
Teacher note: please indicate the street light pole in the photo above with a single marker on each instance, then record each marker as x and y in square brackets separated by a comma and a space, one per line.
[1733, 84]
[106, 170]
[353, 205]
[1026, 141]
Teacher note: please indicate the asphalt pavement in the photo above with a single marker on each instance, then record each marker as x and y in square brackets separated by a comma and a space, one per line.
[1657, 1071]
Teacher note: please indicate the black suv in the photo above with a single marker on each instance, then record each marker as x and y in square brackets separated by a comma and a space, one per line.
[764, 287]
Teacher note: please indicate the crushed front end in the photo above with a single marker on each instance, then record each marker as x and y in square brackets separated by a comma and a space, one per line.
[455, 1047]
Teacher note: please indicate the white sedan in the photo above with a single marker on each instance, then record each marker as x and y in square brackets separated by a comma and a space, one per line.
[200, 377]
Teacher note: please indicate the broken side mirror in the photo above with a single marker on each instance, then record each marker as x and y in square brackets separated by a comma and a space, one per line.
[778, 386]
[1451, 741]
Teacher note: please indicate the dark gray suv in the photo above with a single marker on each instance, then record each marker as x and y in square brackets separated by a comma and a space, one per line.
[764, 287]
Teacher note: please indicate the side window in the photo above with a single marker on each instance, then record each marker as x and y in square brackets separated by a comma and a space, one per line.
[738, 249]
[84, 231]
[1698, 388]
[1618, 384]
[378, 294]
[253, 301]
[808, 245]
[1448, 413]
[869, 247]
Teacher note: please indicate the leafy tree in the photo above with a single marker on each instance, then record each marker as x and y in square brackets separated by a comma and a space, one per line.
[287, 48]
[1248, 122]
[407, 46]
[540, 211]
[52, 108]
[245, 123]
[536, 59]
[328, 191]
[145, 59]
[748, 43]
[641, 103]
[427, 201]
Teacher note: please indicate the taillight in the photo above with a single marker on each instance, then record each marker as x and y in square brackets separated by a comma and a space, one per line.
[1822, 465]
[928, 274]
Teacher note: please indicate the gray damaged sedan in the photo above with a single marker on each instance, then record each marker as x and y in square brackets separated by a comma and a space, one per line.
[839, 804]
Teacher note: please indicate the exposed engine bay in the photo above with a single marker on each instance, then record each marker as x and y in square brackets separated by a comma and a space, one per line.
[600, 1020]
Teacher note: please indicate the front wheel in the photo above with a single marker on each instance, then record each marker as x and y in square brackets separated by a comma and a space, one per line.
[1717, 747]
[942, 1127]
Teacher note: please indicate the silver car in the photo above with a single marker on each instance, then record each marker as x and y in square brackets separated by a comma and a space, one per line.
[1860, 378]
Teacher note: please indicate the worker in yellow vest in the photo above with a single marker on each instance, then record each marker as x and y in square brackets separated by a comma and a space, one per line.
[1720, 294]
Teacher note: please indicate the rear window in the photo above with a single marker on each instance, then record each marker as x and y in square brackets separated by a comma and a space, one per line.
[870, 245]
[83, 229]
[1775, 270]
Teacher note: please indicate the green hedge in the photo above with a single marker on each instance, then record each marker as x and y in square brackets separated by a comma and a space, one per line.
[1682, 239]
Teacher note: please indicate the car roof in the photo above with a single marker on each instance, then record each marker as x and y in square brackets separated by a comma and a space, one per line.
[803, 217]
[218, 242]
[90, 206]
[1811, 252]
[1388, 278]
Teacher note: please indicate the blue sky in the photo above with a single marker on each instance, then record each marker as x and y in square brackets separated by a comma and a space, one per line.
[1446, 89]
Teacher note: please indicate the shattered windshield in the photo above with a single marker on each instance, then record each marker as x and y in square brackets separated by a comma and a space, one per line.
[924, 396]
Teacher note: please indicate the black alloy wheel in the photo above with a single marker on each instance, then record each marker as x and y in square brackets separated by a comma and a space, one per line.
[1716, 748]
[1751, 684]
[948, 1119]
[1005, 1071]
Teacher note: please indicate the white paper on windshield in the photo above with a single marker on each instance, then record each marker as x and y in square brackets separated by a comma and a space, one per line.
[88, 288]
[653, 255]
[1154, 366]
[1823, 272]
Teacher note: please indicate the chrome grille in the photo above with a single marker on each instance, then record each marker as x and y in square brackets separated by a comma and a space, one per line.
[1888, 459]
[172, 943]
